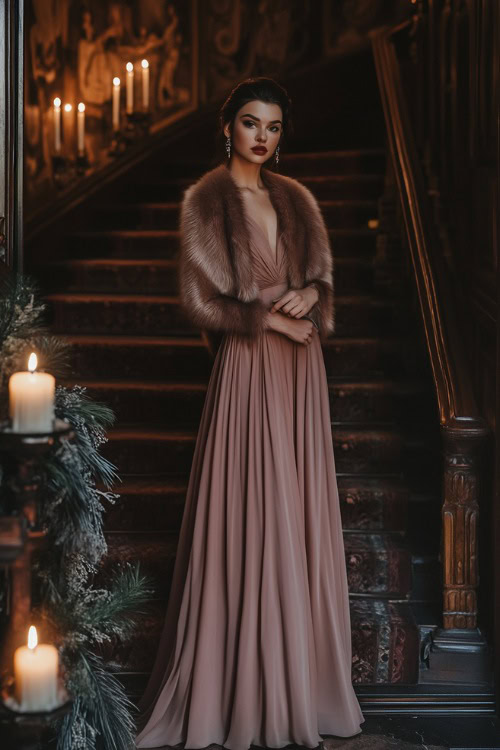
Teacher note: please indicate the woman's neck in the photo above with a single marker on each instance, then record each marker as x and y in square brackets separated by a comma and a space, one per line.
[245, 174]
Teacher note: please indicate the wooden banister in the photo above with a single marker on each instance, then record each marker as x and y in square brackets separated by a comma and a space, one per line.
[463, 429]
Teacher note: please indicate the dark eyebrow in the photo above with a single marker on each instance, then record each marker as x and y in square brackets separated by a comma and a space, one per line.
[258, 118]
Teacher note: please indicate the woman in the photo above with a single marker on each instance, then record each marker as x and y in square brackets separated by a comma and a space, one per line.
[256, 647]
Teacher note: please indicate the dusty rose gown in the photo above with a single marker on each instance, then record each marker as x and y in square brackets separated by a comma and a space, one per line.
[256, 647]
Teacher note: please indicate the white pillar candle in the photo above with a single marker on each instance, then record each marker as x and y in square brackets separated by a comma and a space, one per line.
[130, 88]
[116, 103]
[57, 125]
[145, 85]
[68, 130]
[81, 128]
[31, 399]
[36, 671]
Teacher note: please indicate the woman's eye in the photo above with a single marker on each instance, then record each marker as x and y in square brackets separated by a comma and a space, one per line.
[274, 128]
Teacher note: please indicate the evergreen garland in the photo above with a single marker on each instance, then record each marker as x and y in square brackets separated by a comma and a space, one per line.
[79, 615]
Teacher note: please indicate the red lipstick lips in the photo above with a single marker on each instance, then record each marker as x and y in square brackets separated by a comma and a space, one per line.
[260, 149]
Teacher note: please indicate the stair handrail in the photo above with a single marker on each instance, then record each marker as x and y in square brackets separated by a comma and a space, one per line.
[463, 429]
[451, 373]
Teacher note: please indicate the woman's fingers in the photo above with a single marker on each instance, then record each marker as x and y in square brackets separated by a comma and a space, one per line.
[292, 303]
[283, 301]
[297, 309]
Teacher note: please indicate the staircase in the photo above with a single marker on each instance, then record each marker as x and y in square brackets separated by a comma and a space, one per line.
[114, 296]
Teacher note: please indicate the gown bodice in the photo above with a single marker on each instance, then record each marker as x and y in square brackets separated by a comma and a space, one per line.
[270, 273]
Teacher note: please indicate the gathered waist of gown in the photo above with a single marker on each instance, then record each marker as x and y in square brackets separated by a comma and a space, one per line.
[269, 293]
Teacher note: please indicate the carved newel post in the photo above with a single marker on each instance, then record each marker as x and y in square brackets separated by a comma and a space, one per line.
[459, 648]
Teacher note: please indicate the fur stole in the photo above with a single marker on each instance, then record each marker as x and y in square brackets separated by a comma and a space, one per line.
[217, 287]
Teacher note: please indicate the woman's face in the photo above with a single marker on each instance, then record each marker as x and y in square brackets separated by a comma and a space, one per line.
[256, 124]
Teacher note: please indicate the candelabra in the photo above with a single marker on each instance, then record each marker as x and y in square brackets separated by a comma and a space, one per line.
[20, 536]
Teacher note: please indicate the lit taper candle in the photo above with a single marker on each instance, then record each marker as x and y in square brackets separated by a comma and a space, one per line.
[57, 125]
[116, 103]
[145, 85]
[130, 88]
[81, 128]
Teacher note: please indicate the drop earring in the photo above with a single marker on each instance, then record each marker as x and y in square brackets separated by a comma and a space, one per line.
[277, 155]
[228, 147]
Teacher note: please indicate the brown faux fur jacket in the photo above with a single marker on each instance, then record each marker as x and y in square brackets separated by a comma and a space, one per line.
[217, 287]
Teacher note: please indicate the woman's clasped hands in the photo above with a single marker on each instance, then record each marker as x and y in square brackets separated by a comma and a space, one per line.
[286, 314]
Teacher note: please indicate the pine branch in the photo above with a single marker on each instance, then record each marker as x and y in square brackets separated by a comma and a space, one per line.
[117, 613]
[111, 707]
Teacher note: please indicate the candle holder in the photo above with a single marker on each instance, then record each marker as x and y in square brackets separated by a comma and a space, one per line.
[32, 443]
[22, 534]
[118, 144]
[130, 125]
[82, 163]
[60, 170]
[141, 122]
[22, 451]
[28, 730]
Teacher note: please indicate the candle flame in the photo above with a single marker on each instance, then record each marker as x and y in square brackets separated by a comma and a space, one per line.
[32, 638]
[57, 102]
[129, 67]
[68, 107]
[116, 81]
[81, 107]
[32, 362]
[145, 64]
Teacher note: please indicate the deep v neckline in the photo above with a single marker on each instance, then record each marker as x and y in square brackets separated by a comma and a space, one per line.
[274, 255]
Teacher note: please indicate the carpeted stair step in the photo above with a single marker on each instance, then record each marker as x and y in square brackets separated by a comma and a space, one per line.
[123, 243]
[343, 214]
[133, 357]
[375, 400]
[376, 563]
[178, 403]
[148, 315]
[349, 161]
[164, 243]
[345, 186]
[375, 355]
[161, 501]
[155, 451]
[353, 243]
[384, 635]
[157, 276]
[373, 503]
[366, 504]
[353, 276]
[168, 404]
[324, 187]
[155, 315]
[345, 161]
[151, 358]
[160, 276]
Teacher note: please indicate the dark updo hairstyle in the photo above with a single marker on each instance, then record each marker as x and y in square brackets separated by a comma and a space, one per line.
[262, 89]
